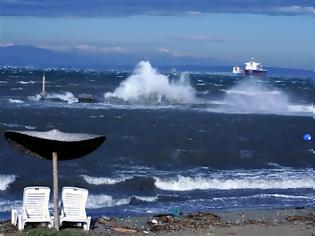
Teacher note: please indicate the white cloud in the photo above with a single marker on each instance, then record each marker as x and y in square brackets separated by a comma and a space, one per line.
[179, 53]
[194, 13]
[84, 48]
[200, 38]
[164, 50]
[98, 49]
[294, 9]
[6, 44]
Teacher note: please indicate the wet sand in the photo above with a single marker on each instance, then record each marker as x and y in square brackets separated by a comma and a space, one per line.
[280, 222]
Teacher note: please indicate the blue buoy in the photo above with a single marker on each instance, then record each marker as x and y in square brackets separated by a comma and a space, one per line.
[307, 137]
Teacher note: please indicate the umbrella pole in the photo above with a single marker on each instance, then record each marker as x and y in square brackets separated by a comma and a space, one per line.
[55, 181]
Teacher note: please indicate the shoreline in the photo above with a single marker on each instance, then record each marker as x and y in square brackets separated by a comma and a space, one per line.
[285, 221]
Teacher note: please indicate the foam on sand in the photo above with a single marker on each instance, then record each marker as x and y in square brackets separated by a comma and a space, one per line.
[5, 181]
[147, 85]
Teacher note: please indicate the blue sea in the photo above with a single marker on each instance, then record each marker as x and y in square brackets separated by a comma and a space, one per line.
[193, 141]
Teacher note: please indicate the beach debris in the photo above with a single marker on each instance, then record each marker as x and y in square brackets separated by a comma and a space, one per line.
[6, 227]
[124, 230]
[303, 218]
[258, 222]
[193, 221]
[176, 212]
[104, 221]
[113, 225]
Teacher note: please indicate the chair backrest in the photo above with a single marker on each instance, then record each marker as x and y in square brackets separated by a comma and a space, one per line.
[35, 202]
[74, 201]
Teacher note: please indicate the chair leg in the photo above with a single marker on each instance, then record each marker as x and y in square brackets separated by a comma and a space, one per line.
[50, 224]
[20, 223]
[14, 216]
[88, 224]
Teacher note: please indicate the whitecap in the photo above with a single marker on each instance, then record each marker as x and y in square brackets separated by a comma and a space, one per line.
[16, 89]
[103, 180]
[63, 97]
[6, 180]
[103, 200]
[26, 82]
[12, 125]
[302, 108]
[66, 97]
[15, 101]
[183, 183]
[7, 206]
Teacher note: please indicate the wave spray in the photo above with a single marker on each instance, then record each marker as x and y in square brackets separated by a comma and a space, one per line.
[146, 85]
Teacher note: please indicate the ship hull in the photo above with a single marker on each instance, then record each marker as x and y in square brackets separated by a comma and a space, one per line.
[255, 72]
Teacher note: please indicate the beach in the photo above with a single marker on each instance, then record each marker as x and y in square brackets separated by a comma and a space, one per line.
[295, 222]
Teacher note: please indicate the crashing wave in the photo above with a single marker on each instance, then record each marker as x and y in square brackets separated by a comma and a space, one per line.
[102, 200]
[182, 183]
[148, 86]
[59, 97]
[251, 97]
[5, 181]
[103, 180]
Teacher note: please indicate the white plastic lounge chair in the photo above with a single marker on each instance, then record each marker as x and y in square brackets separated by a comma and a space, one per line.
[34, 208]
[73, 206]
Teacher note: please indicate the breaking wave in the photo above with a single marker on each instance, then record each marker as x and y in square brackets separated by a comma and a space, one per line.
[102, 200]
[26, 82]
[252, 97]
[18, 126]
[182, 183]
[103, 180]
[60, 97]
[148, 86]
[15, 101]
[5, 181]
[7, 206]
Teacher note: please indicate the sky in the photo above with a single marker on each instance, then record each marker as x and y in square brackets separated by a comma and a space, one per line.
[277, 33]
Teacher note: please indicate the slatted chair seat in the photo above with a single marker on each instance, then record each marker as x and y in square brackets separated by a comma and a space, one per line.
[73, 206]
[34, 208]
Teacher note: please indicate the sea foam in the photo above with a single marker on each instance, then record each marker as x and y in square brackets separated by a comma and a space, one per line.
[250, 96]
[182, 183]
[103, 180]
[67, 97]
[5, 181]
[147, 85]
[15, 101]
[103, 200]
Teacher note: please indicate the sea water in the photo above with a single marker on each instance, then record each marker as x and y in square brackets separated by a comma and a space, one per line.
[190, 141]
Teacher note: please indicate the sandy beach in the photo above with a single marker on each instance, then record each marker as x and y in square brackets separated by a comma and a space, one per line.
[293, 222]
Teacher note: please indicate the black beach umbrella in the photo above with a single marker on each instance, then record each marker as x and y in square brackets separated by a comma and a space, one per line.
[54, 145]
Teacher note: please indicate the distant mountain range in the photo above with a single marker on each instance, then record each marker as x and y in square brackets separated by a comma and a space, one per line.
[34, 56]
[23, 56]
